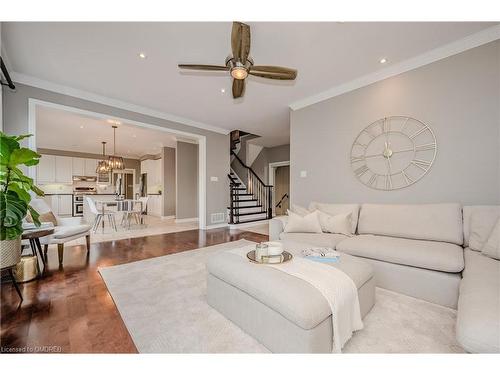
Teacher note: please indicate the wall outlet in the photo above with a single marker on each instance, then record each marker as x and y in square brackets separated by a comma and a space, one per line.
[303, 174]
[214, 178]
[219, 217]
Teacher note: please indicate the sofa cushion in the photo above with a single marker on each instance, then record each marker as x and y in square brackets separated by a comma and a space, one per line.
[314, 239]
[439, 256]
[303, 224]
[492, 246]
[335, 223]
[337, 209]
[481, 225]
[65, 232]
[467, 214]
[478, 322]
[435, 222]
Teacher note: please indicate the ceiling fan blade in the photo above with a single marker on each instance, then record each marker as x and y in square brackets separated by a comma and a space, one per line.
[202, 67]
[273, 72]
[240, 41]
[238, 88]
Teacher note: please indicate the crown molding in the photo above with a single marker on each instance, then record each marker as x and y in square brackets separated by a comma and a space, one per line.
[475, 40]
[86, 95]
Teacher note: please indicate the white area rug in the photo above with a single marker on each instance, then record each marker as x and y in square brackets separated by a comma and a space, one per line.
[163, 304]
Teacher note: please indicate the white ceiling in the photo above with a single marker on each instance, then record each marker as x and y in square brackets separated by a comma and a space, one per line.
[63, 130]
[102, 58]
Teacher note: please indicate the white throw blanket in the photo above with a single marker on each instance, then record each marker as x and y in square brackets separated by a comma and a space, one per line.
[338, 289]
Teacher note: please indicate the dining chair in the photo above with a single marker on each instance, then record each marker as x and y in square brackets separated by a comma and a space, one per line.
[143, 210]
[99, 215]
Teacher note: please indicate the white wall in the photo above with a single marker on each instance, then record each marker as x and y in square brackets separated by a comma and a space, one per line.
[458, 97]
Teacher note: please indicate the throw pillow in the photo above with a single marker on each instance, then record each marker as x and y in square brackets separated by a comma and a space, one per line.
[302, 211]
[46, 217]
[335, 223]
[492, 246]
[303, 224]
[481, 225]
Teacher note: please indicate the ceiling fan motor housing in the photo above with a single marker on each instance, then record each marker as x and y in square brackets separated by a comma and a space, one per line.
[238, 69]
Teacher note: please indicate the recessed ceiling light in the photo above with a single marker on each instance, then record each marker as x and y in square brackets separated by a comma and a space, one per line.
[383, 60]
[142, 55]
[223, 90]
[134, 136]
[81, 126]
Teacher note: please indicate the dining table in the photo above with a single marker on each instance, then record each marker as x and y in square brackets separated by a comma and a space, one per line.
[125, 206]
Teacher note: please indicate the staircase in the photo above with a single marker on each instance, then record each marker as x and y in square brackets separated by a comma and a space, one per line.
[251, 199]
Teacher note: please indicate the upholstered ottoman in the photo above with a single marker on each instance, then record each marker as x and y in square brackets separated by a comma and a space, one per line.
[284, 313]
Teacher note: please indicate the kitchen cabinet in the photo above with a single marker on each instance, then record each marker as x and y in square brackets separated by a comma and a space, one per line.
[90, 167]
[78, 167]
[64, 169]
[154, 176]
[155, 205]
[46, 169]
[65, 205]
[60, 205]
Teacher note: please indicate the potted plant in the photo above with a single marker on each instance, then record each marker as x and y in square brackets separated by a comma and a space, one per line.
[15, 195]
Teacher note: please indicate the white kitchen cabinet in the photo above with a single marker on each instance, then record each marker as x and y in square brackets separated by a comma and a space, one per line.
[155, 205]
[78, 167]
[64, 169]
[46, 169]
[90, 167]
[60, 204]
[65, 205]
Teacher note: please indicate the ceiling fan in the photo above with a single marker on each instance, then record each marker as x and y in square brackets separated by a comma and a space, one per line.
[240, 64]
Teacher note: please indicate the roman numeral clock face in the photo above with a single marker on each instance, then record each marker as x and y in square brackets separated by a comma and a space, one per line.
[393, 153]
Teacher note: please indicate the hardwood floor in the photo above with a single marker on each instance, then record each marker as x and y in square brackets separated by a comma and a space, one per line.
[70, 309]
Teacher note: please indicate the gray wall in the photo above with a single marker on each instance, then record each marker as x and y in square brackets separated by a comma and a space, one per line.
[270, 155]
[458, 97]
[15, 121]
[129, 163]
[187, 180]
[168, 162]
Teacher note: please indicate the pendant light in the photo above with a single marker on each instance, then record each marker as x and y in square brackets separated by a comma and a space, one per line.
[103, 165]
[115, 162]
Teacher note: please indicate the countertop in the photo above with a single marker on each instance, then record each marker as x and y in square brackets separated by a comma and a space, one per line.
[58, 194]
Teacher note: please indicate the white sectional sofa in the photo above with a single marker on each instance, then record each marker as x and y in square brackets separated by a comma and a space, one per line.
[418, 250]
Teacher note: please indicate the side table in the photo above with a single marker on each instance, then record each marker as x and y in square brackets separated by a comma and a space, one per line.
[33, 236]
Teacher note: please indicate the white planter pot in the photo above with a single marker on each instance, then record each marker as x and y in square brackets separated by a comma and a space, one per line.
[10, 252]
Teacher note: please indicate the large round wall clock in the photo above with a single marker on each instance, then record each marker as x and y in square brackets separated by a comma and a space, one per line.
[393, 153]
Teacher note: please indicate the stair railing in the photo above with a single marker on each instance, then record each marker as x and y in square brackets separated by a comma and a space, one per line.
[255, 186]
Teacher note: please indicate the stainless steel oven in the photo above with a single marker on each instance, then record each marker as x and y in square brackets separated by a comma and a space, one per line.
[78, 194]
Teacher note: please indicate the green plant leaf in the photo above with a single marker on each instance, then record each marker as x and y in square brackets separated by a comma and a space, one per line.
[12, 212]
[23, 156]
[22, 136]
[22, 193]
[35, 216]
[7, 146]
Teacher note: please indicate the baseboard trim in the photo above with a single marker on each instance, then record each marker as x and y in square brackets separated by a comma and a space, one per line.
[167, 217]
[215, 226]
[187, 220]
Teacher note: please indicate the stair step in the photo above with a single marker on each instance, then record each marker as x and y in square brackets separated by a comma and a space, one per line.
[241, 207]
[240, 188]
[250, 213]
[244, 194]
[246, 200]
[249, 221]
[244, 207]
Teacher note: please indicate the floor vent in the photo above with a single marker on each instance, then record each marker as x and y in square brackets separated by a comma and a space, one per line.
[219, 217]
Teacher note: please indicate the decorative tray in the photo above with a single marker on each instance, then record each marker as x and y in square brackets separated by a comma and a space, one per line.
[270, 259]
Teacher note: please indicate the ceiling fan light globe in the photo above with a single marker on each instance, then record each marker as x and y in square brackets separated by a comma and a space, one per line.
[239, 73]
